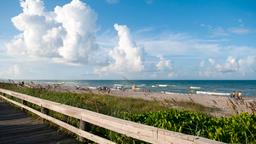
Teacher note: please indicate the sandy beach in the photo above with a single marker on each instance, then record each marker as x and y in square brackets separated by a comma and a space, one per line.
[226, 105]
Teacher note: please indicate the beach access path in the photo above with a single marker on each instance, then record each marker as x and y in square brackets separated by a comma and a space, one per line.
[16, 127]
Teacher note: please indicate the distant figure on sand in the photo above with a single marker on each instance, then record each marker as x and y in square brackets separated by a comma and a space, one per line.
[135, 88]
[104, 89]
[21, 84]
[237, 95]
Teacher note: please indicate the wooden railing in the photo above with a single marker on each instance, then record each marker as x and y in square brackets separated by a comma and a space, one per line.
[131, 129]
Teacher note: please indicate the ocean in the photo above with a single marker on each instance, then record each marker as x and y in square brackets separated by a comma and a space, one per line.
[247, 87]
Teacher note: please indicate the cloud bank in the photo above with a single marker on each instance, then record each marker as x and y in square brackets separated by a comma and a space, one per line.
[13, 71]
[231, 65]
[65, 35]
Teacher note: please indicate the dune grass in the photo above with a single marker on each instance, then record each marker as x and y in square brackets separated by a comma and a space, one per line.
[105, 104]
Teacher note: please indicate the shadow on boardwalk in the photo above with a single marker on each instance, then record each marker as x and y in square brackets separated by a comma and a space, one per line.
[18, 128]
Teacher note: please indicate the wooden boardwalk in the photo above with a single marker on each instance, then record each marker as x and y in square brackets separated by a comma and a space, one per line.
[10, 118]
[18, 128]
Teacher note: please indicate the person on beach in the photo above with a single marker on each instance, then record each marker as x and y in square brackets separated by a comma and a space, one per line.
[21, 84]
[237, 95]
[233, 94]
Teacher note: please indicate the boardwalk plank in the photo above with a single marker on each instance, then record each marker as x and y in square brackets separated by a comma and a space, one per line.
[18, 128]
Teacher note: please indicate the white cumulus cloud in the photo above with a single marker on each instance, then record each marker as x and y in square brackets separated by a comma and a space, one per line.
[65, 34]
[231, 65]
[126, 56]
[248, 64]
[163, 64]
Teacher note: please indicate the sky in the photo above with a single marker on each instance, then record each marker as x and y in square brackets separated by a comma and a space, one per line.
[131, 39]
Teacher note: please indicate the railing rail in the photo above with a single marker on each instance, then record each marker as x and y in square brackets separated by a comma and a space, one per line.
[131, 129]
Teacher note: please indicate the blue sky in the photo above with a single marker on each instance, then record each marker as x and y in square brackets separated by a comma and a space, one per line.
[154, 39]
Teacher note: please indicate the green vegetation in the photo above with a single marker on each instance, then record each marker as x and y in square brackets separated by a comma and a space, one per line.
[236, 129]
[106, 104]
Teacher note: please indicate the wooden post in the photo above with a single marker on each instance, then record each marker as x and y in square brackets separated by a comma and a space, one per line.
[82, 126]
[2, 95]
[44, 110]
[24, 103]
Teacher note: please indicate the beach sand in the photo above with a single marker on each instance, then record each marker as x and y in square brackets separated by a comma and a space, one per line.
[226, 105]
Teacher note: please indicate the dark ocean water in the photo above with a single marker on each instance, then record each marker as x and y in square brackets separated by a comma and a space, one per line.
[247, 87]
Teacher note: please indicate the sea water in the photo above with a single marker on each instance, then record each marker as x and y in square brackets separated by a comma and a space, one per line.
[247, 87]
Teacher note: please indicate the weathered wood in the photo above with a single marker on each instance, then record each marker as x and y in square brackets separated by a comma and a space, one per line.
[17, 127]
[138, 131]
[71, 128]
[44, 110]
[24, 103]
[82, 126]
